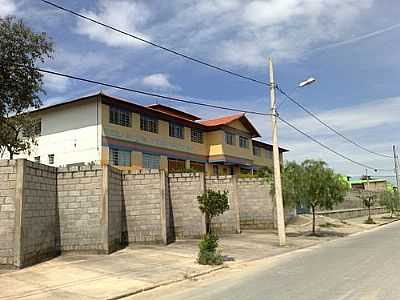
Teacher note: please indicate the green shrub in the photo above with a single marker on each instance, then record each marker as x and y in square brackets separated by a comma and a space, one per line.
[208, 254]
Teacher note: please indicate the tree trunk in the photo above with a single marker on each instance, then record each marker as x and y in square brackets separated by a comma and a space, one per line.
[208, 223]
[369, 212]
[313, 219]
[11, 154]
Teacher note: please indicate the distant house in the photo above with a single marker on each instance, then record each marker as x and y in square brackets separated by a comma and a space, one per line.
[375, 185]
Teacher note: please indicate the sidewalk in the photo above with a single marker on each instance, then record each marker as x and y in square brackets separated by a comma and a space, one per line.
[139, 268]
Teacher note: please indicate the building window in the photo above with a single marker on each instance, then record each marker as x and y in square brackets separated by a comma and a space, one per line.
[230, 138]
[120, 157]
[268, 154]
[199, 167]
[37, 159]
[176, 130]
[176, 165]
[148, 124]
[151, 161]
[197, 135]
[215, 170]
[243, 142]
[120, 117]
[256, 151]
[51, 159]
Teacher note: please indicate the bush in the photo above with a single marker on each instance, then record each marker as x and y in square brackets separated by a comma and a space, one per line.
[208, 254]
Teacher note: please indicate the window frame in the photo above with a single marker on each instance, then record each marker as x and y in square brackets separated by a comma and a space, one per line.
[152, 158]
[51, 159]
[196, 135]
[148, 124]
[118, 160]
[257, 153]
[176, 130]
[119, 116]
[230, 138]
[244, 142]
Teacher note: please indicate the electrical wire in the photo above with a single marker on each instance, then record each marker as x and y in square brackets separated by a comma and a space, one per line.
[175, 52]
[328, 126]
[200, 104]
[165, 97]
[329, 148]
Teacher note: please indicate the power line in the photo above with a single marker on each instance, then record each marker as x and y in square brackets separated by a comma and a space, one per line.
[199, 104]
[175, 52]
[329, 148]
[176, 99]
[328, 126]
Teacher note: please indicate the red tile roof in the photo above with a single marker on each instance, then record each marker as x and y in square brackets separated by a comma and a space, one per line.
[221, 121]
[218, 122]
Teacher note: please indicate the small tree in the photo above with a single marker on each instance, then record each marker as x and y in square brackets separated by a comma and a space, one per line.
[20, 87]
[390, 200]
[369, 199]
[212, 204]
[312, 184]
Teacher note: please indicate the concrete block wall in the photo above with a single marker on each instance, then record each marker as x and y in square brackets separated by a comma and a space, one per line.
[7, 211]
[39, 218]
[187, 221]
[115, 201]
[80, 208]
[229, 222]
[144, 206]
[256, 204]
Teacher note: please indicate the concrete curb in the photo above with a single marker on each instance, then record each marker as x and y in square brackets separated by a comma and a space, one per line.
[244, 263]
[168, 282]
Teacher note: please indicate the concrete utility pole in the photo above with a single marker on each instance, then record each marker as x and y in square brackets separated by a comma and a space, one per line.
[396, 166]
[277, 164]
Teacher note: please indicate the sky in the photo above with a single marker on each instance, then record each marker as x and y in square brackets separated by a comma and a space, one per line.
[350, 46]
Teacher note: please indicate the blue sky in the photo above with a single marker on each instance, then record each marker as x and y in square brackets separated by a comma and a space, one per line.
[350, 46]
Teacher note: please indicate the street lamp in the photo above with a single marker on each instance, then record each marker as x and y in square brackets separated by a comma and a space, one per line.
[309, 81]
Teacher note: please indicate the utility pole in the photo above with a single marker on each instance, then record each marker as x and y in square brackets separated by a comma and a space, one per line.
[277, 164]
[366, 174]
[396, 166]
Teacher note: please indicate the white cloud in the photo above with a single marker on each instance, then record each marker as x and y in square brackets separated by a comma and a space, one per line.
[124, 15]
[55, 83]
[7, 7]
[158, 81]
[245, 33]
[241, 33]
[352, 118]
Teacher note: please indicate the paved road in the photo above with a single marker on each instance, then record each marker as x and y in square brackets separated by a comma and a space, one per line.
[361, 267]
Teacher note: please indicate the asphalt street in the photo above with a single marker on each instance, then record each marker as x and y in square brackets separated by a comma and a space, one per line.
[360, 267]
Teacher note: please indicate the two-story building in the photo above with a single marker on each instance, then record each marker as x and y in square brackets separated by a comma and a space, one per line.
[106, 129]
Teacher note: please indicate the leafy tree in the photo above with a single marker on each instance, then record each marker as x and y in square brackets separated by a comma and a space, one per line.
[20, 87]
[369, 199]
[390, 200]
[213, 204]
[312, 184]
